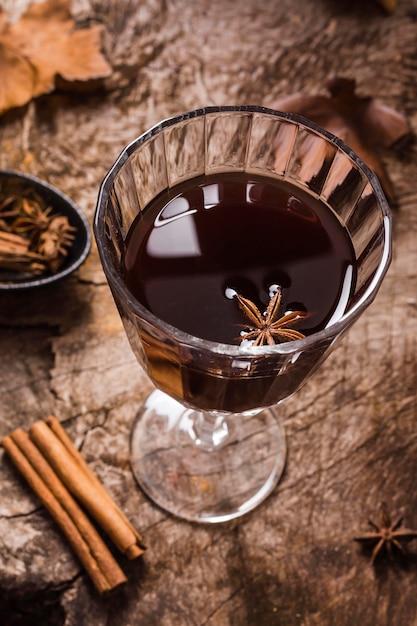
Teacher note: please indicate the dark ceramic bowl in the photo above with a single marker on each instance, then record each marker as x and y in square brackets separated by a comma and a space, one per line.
[60, 204]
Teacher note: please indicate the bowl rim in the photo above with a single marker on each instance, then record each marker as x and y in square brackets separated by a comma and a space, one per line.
[39, 280]
[291, 347]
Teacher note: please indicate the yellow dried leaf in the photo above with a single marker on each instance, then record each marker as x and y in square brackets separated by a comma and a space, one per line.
[42, 45]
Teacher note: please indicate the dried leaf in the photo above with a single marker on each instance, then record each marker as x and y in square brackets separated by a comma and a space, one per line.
[18, 79]
[363, 123]
[42, 45]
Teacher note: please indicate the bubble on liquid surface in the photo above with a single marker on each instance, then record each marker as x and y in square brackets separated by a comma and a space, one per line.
[273, 289]
[241, 285]
[230, 293]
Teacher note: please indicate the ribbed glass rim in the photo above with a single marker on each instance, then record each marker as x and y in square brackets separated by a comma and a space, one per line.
[285, 348]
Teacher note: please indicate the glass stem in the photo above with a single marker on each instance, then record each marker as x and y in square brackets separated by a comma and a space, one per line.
[209, 430]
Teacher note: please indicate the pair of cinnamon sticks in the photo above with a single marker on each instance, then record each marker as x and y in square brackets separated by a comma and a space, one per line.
[64, 482]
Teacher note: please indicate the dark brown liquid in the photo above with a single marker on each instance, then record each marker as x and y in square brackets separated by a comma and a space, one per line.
[198, 244]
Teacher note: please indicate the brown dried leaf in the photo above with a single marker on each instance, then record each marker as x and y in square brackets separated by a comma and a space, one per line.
[18, 79]
[363, 123]
[388, 5]
[42, 45]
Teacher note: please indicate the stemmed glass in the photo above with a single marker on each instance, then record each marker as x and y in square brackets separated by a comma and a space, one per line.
[207, 445]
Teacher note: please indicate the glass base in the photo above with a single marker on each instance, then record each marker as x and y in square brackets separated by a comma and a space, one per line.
[205, 467]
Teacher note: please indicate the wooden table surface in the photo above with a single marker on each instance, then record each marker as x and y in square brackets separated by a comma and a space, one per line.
[351, 430]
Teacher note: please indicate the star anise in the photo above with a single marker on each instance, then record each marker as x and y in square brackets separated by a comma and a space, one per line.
[267, 328]
[33, 239]
[33, 218]
[387, 534]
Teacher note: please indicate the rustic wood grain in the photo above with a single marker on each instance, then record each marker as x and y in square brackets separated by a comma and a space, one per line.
[351, 430]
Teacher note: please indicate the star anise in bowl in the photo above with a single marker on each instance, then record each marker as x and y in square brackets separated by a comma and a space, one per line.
[44, 236]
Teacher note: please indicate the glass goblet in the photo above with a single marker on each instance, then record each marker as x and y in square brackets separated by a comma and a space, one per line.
[207, 445]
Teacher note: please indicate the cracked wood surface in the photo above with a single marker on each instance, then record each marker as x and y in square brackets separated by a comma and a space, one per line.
[351, 430]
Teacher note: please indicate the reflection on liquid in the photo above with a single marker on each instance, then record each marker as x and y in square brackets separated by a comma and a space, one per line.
[180, 239]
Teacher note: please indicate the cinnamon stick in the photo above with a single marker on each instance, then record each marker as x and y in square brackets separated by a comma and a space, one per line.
[12, 243]
[55, 425]
[81, 534]
[84, 489]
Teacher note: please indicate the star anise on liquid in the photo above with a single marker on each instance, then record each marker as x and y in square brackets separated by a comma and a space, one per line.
[387, 534]
[267, 328]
